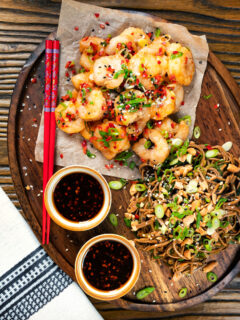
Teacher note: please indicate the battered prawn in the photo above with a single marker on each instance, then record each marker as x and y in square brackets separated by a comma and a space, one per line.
[150, 65]
[136, 128]
[167, 102]
[68, 118]
[140, 38]
[153, 147]
[130, 106]
[181, 65]
[131, 39]
[92, 104]
[110, 139]
[109, 71]
[91, 48]
[170, 129]
[82, 78]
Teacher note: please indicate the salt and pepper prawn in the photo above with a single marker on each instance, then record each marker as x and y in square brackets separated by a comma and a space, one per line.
[130, 86]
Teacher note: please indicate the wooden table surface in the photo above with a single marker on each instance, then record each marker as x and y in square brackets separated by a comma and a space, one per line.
[24, 24]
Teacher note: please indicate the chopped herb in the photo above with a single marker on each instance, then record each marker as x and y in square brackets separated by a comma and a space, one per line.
[157, 32]
[207, 97]
[176, 55]
[127, 222]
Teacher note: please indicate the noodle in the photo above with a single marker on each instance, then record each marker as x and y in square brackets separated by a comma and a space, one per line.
[196, 223]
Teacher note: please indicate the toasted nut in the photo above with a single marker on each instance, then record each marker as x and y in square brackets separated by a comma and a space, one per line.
[187, 254]
[192, 151]
[188, 220]
[210, 266]
[233, 168]
[133, 189]
[186, 241]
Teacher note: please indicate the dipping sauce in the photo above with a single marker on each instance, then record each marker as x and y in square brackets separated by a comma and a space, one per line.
[108, 265]
[78, 197]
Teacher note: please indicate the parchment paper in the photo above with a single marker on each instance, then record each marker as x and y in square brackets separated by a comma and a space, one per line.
[82, 15]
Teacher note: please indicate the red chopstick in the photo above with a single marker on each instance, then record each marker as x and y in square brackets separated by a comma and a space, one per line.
[50, 102]
[55, 71]
[47, 109]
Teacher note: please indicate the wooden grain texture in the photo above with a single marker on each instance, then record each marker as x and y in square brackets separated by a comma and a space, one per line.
[22, 27]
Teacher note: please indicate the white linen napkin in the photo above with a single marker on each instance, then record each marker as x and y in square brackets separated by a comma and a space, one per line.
[31, 284]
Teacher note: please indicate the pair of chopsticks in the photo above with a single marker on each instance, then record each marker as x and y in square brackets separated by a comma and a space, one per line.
[50, 103]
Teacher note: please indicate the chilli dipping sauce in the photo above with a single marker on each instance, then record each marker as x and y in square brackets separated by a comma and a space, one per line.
[108, 265]
[78, 197]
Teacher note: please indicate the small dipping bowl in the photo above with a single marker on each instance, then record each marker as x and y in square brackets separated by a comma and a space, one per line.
[60, 218]
[119, 291]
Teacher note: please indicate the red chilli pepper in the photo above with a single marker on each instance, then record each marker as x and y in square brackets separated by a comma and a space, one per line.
[96, 15]
[102, 26]
[136, 216]
[84, 146]
[107, 166]
[76, 28]
[33, 80]
[61, 155]
[209, 147]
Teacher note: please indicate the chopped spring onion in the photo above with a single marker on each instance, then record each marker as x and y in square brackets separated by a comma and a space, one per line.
[127, 222]
[115, 185]
[182, 292]
[207, 244]
[163, 229]
[140, 187]
[207, 218]
[157, 32]
[210, 231]
[227, 145]
[177, 142]
[187, 119]
[90, 155]
[132, 164]
[144, 292]
[215, 223]
[189, 158]
[212, 277]
[173, 162]
[197, 132]
[190, 232]
[218, 213]
[159, 211]
[147, 144]
[207, 97]
[176, 55]
[113, 219]
[212, 153]
[192, 187]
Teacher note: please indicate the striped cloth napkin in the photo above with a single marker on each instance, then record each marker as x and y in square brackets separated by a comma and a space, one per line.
[31, 284]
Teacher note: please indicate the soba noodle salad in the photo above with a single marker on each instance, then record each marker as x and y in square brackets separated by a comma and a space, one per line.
[187, 208]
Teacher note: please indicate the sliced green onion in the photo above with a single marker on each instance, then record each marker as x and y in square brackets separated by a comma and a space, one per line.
[163, 229]
[224, 224]
[182, 292]
[207, 244]
[220, 203]
[124, 155]
[215, 223]
[127, 222]
[157, 32]
[227, 145]
[140, 187]
[207, 97]
[177, 55]
[144, 292]
[207, 218]
[189, 158]
[132, 164]
[177, 142]
[147, 144]
[173, 162]
[113, 219]
[212, 153]
[159, 211]
[90, 155]
[212, 277]
[192, 187]
[115, 185]
[199, 218]
[150, 124]
[187, 119]
[190, 232]
[218, 213]
[197, 132]
[123, 181]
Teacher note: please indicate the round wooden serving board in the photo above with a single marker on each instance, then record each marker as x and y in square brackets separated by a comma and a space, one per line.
[217, 126]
